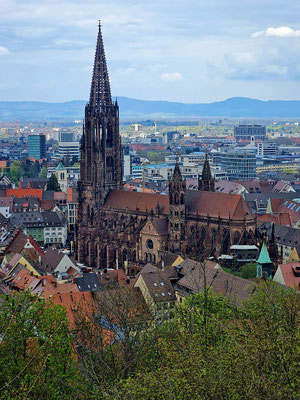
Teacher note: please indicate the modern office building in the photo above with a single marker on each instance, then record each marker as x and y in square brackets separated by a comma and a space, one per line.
[37, 146]
[239, 165]
[244, 132]
[267, 149]
[69, 149]
[66, 136]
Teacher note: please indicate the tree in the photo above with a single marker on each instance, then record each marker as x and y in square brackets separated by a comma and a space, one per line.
[15, 171]
[252, 352]
[43, 172]
[36, 350]
[53, 184]
[116, 339]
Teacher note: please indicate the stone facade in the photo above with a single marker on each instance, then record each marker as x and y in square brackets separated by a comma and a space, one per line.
[117, 228]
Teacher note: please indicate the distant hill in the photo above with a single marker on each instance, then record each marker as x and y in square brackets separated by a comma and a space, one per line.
[235, 107]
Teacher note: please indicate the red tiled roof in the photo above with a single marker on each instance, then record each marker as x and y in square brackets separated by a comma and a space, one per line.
[279, 219]
[217, 204]
[21, 193]
[74, 302]
[17, 243]
[23, 279]
[275, 204]
[289, 274]
[127, 200]
[52, 287]
[60, 196]
[35, 246]
[72, 195]
[287, 206]
[6, 201]
[47, 205]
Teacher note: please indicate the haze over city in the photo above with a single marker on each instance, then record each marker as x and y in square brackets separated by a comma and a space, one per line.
[192, 51]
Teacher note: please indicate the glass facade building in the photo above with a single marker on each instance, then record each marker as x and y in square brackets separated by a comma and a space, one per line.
[37, 146]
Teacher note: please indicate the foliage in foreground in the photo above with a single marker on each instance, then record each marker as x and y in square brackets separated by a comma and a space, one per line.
[36, 350]
[251, 353]
[209, 350]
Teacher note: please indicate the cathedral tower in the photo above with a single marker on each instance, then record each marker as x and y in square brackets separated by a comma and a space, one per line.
[207, 182]
[101, 164]
[177, 194]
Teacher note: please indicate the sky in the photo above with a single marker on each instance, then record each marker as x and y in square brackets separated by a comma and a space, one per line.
[190, 51]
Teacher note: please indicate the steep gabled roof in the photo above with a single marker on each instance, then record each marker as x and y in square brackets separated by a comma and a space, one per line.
[290, 274]
[50, 260]
[216, 204]
[144, 202]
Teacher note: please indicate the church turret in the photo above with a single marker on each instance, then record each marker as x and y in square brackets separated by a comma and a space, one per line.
[177, 194]
[206, 182]
[264, 265]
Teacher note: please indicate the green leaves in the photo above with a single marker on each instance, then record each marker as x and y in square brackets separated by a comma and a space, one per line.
[36, 349]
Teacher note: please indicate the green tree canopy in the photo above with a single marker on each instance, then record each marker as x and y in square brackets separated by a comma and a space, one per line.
[53, 184]
[36, 350]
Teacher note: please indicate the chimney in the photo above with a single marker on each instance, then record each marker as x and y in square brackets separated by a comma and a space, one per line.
[128, 280]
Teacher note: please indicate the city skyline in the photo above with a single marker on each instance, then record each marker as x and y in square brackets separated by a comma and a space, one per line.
[192, 52]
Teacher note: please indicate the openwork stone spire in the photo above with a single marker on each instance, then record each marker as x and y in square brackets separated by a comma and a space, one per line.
[100, 88]
[206, 183]
[177, 173]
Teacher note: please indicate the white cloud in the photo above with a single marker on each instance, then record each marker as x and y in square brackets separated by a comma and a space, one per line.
[3, 50]
[171, 76]
[282, 31]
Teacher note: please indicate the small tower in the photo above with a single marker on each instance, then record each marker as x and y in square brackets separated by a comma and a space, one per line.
[264, 265]
[177, 193]
[62, 176]
[206, 182]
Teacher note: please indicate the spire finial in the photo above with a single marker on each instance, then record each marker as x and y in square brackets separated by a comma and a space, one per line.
[100, 95]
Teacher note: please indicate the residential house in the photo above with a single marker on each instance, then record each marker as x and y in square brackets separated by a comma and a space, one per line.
[56, 262]
[195, 275]
[157, 290]
[288, 275]
[288, 241]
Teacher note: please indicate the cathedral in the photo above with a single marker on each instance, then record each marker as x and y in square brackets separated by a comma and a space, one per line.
[117, 228]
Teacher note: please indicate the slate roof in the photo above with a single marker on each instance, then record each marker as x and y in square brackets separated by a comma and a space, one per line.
[34, 183]
[88, 283]
[48, 195]
[50, 260]
[160, 225]
[144, 202]
[158, 284]
[284, 235]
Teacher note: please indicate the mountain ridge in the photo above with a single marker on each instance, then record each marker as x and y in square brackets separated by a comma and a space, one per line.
[234, 107]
